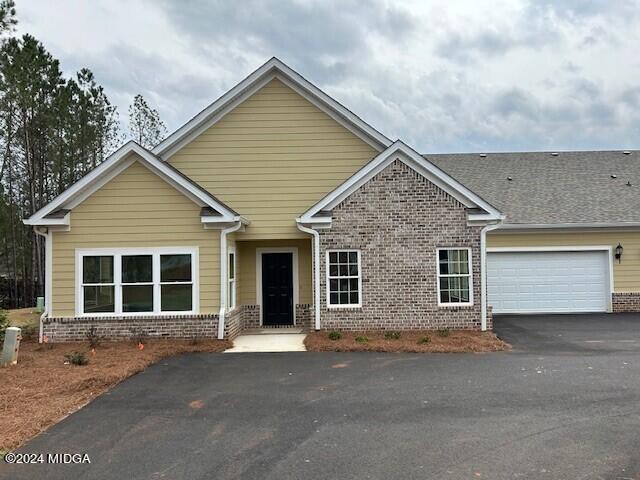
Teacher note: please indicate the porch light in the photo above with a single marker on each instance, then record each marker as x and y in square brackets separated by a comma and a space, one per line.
[619, 250]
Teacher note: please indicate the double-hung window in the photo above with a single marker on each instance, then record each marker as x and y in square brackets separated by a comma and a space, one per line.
[344, 286]
[454, 277]
[137, 281]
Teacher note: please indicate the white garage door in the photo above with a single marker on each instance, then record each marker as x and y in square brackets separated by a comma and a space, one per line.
[546, 282]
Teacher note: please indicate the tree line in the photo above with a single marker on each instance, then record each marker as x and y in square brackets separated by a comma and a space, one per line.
[53, 131]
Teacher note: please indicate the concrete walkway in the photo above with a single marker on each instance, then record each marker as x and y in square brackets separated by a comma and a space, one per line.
[268, 342]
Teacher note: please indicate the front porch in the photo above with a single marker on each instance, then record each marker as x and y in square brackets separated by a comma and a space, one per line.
[269, 286]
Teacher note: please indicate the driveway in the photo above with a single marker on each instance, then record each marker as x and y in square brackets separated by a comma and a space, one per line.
[561, 406]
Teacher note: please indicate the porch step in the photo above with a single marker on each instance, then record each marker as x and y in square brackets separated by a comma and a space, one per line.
[275, 342]
[272, 331]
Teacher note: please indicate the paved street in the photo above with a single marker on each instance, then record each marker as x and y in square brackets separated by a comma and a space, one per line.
[563, 405]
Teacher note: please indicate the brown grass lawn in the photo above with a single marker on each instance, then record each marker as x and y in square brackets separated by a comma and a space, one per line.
[23, 316]
[456, 341]
[41, 390]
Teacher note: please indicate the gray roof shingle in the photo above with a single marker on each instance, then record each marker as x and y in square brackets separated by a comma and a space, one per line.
[571, 187]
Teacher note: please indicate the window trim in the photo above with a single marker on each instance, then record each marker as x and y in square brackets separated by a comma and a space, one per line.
[327, 278]
[232, 282]
[155, 252]
[470, 276]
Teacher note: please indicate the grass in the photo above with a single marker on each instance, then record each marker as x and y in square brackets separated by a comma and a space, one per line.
[41, 390]
[24, 316]
[409, 341]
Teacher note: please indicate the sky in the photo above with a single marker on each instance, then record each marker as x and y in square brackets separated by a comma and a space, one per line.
[444, 76]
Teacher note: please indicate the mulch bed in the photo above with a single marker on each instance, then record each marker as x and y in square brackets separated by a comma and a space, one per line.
[41, 390]
[457, 341]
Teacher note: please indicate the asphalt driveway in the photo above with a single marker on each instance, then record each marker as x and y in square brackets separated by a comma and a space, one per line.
[564, 405]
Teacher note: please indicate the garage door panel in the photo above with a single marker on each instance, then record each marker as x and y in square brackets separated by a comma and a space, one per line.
[520, 282]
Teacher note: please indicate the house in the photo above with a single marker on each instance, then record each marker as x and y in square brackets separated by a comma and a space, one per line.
[277, 206]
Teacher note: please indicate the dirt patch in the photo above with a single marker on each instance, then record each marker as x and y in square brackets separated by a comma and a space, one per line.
[41, 390]
[20, 317]
[409, 341]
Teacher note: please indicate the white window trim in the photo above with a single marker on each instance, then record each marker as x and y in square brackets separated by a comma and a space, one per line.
[232, 283]
[155, 252]
[438, 276]
[328, 297]
[296, 290]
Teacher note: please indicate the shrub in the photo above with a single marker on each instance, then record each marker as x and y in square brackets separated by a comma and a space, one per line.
[334, 335]
[28, 332]
[92, 336]
[4, 323]
[362, 339]
[138, 335]
[424, 339]
[76, 358]
[392, 335]
[443, 332]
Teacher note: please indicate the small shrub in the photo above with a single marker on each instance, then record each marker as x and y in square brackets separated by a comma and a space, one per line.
[4, 323]
[92, 336]
[392, 335]
[424, 339]
[138, 335]
[76, 358]
[362, 339]
[28, 332]
[195, 339]
[334, 335]
[443, 332]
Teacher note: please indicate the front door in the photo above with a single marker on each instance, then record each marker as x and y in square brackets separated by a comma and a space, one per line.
[277, 289]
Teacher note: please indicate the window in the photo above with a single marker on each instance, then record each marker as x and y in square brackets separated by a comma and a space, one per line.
[98, 284]
[137, 281]
[231, 289]
[343, 278]
[454, 277]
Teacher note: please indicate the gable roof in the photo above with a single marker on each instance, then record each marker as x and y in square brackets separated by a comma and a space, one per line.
[272, 69]
[479, 208]
[57, 211]
[555, 189]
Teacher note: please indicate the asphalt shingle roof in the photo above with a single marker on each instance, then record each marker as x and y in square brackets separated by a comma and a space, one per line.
[572, 187]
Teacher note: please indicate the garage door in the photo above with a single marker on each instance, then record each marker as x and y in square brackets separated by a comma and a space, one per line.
[546, 282]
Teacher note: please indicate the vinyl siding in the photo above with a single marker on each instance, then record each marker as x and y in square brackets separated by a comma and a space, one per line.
[135, 209]
[247, 268]
[272, 158]
[626, 274]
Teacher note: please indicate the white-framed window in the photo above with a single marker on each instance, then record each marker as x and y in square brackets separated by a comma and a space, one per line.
[344, 279]
[135, 281]
[455, 276]
[231, 273]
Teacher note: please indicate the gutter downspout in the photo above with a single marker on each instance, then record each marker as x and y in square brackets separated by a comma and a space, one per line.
[316, 272]
[48, 265]
[223, 275]
[483, 272]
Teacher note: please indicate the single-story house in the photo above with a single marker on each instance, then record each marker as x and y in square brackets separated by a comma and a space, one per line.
[276, 206]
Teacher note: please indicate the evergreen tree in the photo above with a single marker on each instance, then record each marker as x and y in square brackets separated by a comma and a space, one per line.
[145, 125]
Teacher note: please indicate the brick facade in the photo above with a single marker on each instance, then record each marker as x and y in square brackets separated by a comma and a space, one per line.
[69, 329]
[397, 220]
[625, 302]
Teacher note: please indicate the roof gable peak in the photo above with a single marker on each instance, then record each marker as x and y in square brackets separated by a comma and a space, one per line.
[272, 68]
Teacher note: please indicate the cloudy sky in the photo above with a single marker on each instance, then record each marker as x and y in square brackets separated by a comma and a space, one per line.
[445, 76]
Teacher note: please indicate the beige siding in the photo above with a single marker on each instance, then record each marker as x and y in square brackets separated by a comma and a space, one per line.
[626, 274]
[272, 158]
[135, 209]
[247, 268]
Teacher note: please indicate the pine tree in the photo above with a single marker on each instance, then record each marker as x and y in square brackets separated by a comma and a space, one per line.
[145, 125]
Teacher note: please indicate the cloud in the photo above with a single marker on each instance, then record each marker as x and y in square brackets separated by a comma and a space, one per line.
[443, 76]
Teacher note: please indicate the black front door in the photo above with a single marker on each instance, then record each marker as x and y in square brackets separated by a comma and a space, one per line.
[277, 289]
